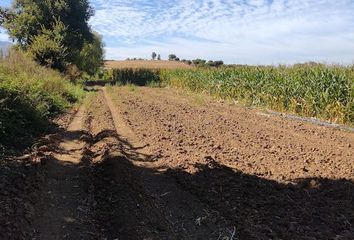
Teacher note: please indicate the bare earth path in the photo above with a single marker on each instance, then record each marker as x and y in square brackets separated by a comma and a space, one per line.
[63, 207]
[99, 184]
[142, 163]
[178, 212]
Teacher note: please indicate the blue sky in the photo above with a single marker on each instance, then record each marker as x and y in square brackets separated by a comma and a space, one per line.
[236, 31]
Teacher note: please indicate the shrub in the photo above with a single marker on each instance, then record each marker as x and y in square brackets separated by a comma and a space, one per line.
[29, 96]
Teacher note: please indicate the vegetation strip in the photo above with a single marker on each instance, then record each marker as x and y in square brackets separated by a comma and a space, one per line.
[29, 96]
[310, 90]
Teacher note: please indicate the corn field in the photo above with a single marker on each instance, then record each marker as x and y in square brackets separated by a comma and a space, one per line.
[321, 91]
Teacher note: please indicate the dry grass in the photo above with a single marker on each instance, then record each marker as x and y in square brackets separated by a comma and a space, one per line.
[146, 64]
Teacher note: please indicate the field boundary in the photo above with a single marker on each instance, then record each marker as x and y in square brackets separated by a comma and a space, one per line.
[314, 121]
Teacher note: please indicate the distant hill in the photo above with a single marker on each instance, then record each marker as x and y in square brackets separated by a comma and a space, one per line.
[5, 46]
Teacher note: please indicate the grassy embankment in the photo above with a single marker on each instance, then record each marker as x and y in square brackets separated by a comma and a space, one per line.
[321, 91]
[29, 96]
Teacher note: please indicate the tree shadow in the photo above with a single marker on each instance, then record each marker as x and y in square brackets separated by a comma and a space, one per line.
[123, 209]
[94, 83]
[17, 191]
[130, 151]
[258, 208]
[310, 208]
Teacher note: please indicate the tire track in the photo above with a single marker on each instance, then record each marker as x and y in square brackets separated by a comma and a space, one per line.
[64, 204]
[185, 215]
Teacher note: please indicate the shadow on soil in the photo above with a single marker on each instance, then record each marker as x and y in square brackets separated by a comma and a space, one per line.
[18, 186]
[263, 209]
[20, 181]
[258, 208]
[309, 208]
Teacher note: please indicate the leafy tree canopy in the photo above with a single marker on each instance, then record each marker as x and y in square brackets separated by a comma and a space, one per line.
[153, 55]
[48, 48]
[91, 55]
[51, 30]
[172, 57]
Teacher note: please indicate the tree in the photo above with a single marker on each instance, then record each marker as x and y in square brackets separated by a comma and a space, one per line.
[27, 20]
[48, 48]
[91, 55]
[188, 62]
[159, 57]
[4, 15]
[214, 63]
[218, 63]
[172, 57]
[199, 62]
[153, 55]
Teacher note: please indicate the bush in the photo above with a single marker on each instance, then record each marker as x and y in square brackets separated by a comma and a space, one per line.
[29, 96]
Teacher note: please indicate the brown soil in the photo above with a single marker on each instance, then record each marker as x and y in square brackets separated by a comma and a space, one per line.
[270, 177]
[21, 180]
[140, 163]
[135, 201]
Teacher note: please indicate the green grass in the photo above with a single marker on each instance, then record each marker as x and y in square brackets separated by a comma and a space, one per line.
[131, 87]
[321, 91]
[29, 96]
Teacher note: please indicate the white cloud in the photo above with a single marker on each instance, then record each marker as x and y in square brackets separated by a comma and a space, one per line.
[237, 31]
[3, 36]
[253, 31]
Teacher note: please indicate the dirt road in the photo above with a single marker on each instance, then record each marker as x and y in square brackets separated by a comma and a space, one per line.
[99, 184]
[142, 163]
